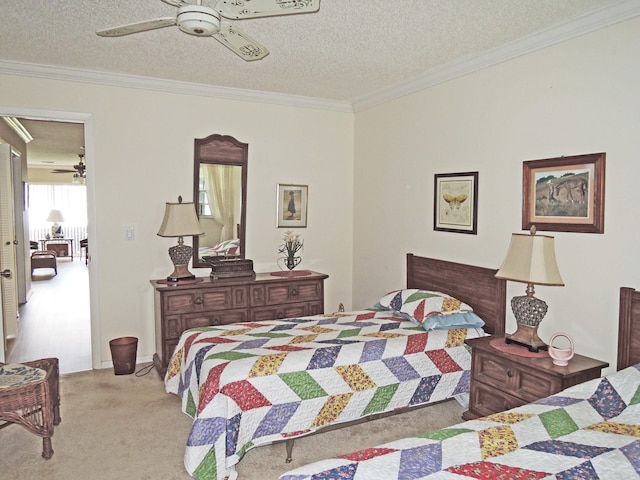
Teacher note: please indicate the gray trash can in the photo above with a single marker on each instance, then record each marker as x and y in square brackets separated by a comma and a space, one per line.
[123, 354]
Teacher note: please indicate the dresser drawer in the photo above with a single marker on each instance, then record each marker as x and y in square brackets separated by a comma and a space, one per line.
[173, 326]
[208, 319]
[291, 310]
[204, 300]
[286, 292]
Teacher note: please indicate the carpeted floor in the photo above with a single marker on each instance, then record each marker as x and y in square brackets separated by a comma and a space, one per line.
[127, 427]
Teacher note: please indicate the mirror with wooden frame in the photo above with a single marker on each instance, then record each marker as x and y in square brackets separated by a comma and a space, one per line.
[220, 196]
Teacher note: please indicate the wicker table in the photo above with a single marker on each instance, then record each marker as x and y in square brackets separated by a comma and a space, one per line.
[29, 396]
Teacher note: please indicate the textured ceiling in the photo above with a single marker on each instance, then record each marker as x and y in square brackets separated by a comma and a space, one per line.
[347, 50]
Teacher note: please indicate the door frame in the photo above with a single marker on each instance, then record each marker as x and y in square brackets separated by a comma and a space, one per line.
[87, 120]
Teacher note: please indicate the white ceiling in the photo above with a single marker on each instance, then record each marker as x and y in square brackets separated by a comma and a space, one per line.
[348, 55]
[345, 51]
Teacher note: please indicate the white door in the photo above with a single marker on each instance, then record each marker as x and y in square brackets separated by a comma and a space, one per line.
[8, 281]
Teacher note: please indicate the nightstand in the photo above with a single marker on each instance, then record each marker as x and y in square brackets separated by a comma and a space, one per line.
[501, 381]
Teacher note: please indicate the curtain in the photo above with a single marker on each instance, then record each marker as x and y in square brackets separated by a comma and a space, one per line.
[220, 189]
[71, 200]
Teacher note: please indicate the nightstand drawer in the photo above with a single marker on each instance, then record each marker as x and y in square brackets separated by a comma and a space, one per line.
[487, 400]
[527, 384]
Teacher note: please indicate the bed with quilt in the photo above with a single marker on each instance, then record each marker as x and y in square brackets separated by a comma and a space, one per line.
[255, 383]
[588, 431]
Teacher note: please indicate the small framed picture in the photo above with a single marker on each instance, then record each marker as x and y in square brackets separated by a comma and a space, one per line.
[456, 202]
[292, 205]
[564, 194]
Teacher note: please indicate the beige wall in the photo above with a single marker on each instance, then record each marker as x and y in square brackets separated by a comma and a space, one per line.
[369, 208]
[582, 96]
[140, 155]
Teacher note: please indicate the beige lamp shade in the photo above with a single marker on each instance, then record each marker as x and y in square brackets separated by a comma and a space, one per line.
[180, 220]
[55, 216]
[531, 259]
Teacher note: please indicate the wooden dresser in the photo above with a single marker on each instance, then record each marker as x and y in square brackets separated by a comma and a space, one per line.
[501, 381]
[246, 299]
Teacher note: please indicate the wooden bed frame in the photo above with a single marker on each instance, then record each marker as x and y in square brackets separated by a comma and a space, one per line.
[629, 328]
[475, 286]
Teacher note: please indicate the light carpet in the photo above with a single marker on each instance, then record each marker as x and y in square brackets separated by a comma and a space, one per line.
[127, 427]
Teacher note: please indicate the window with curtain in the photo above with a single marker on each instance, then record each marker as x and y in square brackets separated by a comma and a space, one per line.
[71, 200]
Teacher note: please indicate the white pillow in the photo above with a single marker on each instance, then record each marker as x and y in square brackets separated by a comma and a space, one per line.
[422, 304]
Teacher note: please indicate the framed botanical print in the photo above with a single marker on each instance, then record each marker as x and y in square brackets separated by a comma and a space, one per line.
[456, 202]
[292, 205]
[564, 194]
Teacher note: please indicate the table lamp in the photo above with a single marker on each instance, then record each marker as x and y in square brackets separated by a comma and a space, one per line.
[56, 217]
[531, 259]
[180, 220]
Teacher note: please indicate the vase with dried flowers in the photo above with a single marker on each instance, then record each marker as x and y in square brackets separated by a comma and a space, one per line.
[293, 243]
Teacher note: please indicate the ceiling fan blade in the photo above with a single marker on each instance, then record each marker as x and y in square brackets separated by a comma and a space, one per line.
[176, 3]
[265, 8]
[138, 27]
[63, 171]
[240, 43]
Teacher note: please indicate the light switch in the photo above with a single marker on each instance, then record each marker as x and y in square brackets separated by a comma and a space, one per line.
[129, 233]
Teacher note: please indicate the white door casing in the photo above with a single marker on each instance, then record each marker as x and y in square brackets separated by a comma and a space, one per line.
[8, 265]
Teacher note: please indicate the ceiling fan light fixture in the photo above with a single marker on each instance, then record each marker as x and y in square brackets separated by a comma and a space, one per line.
[198, 20]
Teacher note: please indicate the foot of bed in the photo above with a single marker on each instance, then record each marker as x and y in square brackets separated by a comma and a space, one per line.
[289, 445]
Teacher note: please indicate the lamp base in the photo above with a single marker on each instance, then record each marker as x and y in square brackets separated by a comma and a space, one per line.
[526, 336]
[180, 255]
[180, 272]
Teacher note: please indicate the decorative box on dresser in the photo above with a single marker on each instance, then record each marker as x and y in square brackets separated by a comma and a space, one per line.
[501, 381]
[219, 302]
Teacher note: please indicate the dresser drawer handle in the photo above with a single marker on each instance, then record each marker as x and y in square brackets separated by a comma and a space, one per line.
[294, 292]
[279, 315]
[509, 373]
[198, 301]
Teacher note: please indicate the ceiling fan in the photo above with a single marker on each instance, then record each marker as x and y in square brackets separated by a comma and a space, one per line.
[78, 170]
[202, 21]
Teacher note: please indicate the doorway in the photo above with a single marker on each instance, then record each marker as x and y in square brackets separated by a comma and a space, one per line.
[59, 307]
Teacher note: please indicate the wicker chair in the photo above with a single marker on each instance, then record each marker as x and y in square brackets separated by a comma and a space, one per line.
[44, 259]
[33, 404]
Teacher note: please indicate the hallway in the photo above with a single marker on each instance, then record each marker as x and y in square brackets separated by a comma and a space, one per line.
[55, 321]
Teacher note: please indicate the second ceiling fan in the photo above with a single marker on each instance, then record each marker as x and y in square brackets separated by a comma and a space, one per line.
[78, 170]
[202, 21]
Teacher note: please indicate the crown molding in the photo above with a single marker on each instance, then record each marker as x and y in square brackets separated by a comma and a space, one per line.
[171, 86]
[587, 23]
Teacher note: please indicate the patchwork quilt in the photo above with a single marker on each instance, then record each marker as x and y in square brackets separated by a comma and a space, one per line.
[590, 431]
[250, 384]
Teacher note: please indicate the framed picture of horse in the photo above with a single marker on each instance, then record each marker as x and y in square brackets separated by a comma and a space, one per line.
[564, 194]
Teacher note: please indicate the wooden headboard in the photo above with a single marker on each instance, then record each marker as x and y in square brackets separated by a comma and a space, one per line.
[475, 286]
[629, 328]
